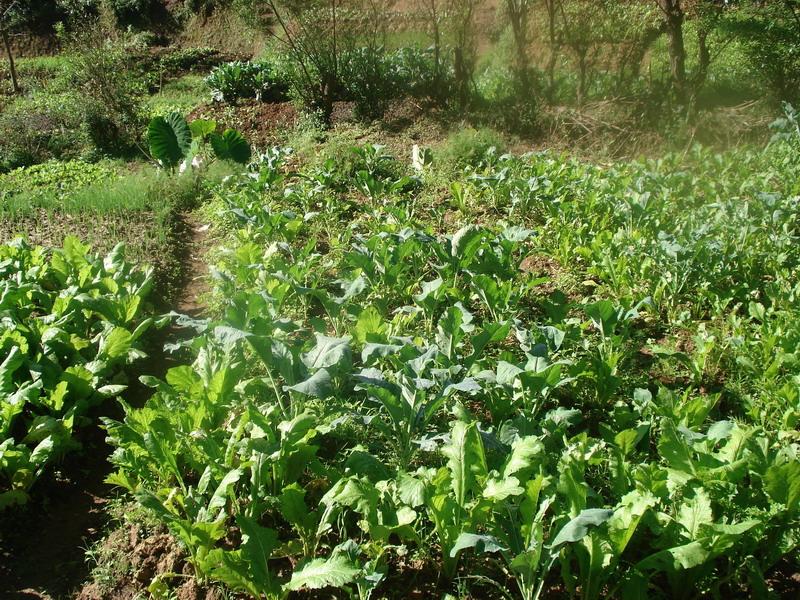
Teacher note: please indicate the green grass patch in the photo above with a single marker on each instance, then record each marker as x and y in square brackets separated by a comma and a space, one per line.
[182, 95]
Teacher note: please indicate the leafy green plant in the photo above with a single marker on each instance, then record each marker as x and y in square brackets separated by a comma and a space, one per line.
[71, 323]
[238, 80]
[174, 141]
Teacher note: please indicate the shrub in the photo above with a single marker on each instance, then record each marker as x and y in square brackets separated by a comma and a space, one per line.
[132, 12]
[41, 128]
[187, 59]
[506, 104]
[372, 77]
[102, 67]
[416, 68]
[244, 80]
[369, 79]
[770, 41]
[471, 147]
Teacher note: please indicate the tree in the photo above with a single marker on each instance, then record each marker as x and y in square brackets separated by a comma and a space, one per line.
[9, 15]
[317, 34]
[674, 17]
[769, 33]
[465, 47]
[518, 12]
[432, 11]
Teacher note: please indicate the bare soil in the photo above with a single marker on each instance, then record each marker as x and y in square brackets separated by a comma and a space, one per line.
[261, 123]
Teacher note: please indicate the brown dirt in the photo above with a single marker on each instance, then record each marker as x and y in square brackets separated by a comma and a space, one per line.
[195, 286]
[261, 123]
[41, 545]
[138, 560]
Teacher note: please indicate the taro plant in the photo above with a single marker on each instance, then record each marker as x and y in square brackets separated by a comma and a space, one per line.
[175, 142]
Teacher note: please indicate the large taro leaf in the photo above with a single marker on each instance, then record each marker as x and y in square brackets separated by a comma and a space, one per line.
[170, 139]
[231, 146]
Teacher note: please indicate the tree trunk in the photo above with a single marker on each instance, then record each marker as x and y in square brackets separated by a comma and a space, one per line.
[437, 53]
[703, 61]
[518, 15]
[11, 65]
[673, 20]
[462, 78]
[551, 62]
[582, 69]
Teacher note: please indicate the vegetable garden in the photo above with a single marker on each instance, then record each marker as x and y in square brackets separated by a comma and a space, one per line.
[378, 390]
[420, 370]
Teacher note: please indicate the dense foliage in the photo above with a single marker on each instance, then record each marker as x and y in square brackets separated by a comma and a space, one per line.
[602, 396]
[239, 80]
[69, 324]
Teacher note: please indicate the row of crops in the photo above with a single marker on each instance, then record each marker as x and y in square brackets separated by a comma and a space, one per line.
[382, 393]
[69, 324]
[542, 377]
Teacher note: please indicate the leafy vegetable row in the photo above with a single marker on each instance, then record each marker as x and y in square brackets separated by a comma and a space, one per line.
[69, 323]
[375, 390]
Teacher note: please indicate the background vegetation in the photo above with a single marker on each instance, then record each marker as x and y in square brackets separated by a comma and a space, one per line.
[484, 298]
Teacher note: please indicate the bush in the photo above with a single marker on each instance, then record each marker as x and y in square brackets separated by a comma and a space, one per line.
[416, 68]
[506, 105]
[369, 79]
[372, 77]
[132, 12]
[42, 128]
[771, 43]
[102, 66]
[471, 147]
[245, 80]
[186, 59]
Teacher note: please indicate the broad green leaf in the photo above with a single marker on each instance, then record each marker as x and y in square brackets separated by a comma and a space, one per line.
[466, 241]
[115, 344]
[578, 528]
[293, 504]
[524, 453]
[328, 352]
[231, 146]
[465, 459]
[220, 497]
[481, 543]
[370, 323]
[202, 128]
[498, 490]
[695, 513]
[686, 556]
[259, 544]
[783, 484]
[336, 571]
[170, 139]
[318, 385]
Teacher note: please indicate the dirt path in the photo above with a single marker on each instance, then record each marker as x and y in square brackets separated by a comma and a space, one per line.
[195, 275]
[43, 545]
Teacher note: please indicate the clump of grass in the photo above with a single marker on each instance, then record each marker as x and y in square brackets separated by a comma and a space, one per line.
[469, 146]
[182, 95]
